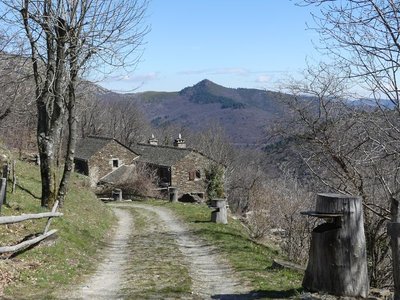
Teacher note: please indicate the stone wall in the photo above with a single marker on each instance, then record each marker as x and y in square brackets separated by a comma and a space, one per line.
[185, 170]
[102, 162]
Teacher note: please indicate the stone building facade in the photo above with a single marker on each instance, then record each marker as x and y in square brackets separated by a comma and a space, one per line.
[189, 174]
[176, 166]
[98, 156]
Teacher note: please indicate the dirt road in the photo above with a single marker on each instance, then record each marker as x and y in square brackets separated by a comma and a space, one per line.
[154, 255]
[106, 282]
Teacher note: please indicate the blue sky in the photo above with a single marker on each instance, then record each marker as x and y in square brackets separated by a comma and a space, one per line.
[235, 43]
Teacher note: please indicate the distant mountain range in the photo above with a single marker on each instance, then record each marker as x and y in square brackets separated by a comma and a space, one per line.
[243, 113]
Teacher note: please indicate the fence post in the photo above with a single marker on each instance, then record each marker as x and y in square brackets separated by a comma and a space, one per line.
[337, 260]
[5, 176]
[53, 210]
[3, 191]
[14, 177]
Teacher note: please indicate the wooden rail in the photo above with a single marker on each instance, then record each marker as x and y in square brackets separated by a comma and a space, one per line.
[46, 232]
[25, 217]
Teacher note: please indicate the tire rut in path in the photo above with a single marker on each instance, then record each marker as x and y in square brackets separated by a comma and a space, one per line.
[105, 283]
[211, 276]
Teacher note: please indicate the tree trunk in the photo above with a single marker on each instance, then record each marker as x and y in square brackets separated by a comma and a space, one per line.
[51, 107]
[394, 233]
[47, 170]
[72, 123]
[46, 153]
[71, 144]
[338, 263]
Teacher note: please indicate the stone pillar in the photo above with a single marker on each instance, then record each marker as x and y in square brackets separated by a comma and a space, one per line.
[337, 261]
[117, 194]
[173, 194]
[220, 212]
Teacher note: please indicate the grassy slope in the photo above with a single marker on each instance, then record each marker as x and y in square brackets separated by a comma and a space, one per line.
[49, 267]
[252, 261]
[58, 262]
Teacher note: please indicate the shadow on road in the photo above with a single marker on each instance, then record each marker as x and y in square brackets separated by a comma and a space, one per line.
[260, 295]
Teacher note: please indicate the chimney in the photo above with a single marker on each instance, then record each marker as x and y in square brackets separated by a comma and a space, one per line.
[153, 141]
[179, 142]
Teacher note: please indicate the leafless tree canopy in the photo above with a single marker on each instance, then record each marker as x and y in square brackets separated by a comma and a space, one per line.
[352, 150]
[63, 41]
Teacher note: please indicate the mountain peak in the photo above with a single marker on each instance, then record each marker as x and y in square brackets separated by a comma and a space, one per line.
[206, 83]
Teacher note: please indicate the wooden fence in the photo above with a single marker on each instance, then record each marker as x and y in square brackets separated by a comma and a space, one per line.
[46, 232]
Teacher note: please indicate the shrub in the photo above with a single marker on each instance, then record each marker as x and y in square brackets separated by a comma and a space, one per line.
[215, 181]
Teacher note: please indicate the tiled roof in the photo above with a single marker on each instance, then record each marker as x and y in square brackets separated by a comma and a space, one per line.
[119, 175]
[160, 155]
[89, 146]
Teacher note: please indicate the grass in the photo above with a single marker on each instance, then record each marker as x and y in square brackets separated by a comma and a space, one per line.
[156, 266]
[54, 265]
[251, 260]
[61, 261]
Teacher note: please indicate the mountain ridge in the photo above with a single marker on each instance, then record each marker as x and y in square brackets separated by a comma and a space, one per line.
[243, 113]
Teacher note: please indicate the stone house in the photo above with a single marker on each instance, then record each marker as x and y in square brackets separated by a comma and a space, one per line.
[176, 166]
[105, 161]
[98, 156]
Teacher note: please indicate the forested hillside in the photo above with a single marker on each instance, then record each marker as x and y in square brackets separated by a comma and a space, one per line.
[244, 114]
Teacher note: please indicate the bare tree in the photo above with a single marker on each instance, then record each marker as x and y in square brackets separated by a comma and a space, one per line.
[213, 142]
[363, 35]
[336, 142]
[119, 119]
[65, 40]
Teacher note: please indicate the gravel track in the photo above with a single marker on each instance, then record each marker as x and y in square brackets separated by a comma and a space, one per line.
[105, 283]
[212, 278]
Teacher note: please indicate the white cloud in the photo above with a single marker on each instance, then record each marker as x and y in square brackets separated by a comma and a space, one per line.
[263, 79]
[217, 71]
[140, 77]
[232, 71]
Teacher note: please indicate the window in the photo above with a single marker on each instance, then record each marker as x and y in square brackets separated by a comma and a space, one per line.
[194, 175]
[115, 163]
[198, 174]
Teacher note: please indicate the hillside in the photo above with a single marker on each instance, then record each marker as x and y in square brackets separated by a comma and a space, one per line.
[145, 246]
[62, 260]
[243, 113]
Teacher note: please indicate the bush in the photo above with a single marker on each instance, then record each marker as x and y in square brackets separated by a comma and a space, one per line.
[215, 182]
[138, 181]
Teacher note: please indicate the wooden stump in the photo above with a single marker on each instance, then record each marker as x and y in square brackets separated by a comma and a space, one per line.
[220, 214]
[337, 261]
[173, 194]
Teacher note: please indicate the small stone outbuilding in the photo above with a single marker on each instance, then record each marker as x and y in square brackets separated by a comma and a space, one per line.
[98, 156]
